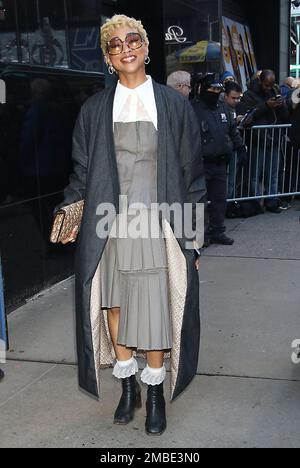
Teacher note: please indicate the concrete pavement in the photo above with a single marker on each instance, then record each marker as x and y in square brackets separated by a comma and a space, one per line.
[246, 393]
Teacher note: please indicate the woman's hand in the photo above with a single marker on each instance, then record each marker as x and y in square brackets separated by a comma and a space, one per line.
[72, 237]
[197, 264]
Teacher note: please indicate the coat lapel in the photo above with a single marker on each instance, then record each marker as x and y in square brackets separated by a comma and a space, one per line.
[111, 151]
[162, 142]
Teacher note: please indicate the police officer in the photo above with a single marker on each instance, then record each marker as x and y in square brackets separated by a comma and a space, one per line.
[220, 137]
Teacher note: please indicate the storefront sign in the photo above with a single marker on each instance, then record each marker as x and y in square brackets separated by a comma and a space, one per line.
[175, 34]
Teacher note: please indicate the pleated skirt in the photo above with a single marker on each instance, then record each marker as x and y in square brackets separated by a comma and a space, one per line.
[134, 277]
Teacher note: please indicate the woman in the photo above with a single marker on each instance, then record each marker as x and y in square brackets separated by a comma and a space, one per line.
[137, 139]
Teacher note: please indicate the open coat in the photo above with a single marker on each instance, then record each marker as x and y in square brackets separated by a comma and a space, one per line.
[95, 179]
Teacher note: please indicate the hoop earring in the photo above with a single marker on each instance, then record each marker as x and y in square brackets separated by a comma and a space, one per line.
[147, 60]
[111, 70]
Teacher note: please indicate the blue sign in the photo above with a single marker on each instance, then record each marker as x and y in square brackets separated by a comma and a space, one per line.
[3, 330]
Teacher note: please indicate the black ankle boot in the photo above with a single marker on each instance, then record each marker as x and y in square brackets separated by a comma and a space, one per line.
[156, 422]
[130, 400]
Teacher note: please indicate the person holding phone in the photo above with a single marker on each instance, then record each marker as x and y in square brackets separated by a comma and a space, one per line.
[269, 108]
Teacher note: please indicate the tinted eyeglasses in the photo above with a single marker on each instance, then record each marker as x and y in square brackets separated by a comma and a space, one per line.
[133, 41]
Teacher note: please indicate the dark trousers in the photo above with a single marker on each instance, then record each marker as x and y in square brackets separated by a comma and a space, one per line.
[216, 182]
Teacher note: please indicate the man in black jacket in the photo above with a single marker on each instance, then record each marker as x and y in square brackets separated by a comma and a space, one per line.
[269, 108]
[220, 137]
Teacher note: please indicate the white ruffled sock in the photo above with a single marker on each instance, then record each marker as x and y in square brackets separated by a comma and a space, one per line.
[125, 369]
[151, 376]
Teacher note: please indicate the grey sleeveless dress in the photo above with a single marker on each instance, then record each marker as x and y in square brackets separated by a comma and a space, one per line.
[134, 268]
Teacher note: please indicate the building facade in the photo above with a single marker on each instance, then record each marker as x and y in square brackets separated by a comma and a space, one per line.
[295, 40]
[50, 63]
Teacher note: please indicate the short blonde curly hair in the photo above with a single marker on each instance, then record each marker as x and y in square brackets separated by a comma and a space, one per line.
[117, 21]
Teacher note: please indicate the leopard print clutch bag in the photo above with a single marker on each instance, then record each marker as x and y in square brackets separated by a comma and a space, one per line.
[65, 221]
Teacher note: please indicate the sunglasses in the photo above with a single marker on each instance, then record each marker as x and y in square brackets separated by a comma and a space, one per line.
[133, 41]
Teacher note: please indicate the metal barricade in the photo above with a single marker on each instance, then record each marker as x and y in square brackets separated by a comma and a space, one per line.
[272, 168]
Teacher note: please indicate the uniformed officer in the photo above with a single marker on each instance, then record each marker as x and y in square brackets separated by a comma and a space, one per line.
[220, 137]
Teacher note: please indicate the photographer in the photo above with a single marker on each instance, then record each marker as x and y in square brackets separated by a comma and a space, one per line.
[265, 97]
[269, 108]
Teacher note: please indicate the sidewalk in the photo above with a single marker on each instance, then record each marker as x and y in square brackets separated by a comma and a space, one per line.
[247, 391]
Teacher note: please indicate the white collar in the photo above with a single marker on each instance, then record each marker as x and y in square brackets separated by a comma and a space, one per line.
[144, 92]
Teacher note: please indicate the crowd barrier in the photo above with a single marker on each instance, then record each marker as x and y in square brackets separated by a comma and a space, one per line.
[271, 169]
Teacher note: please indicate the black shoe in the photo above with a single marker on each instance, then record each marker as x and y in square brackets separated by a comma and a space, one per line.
[1, 374]
[221, 239]
[285, 205]
[274, 209]
[156, 422]
[130, 400]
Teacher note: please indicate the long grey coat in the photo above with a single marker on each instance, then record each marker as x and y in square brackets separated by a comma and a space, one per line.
[95, 179]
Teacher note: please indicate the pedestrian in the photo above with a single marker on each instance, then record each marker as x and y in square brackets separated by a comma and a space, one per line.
[138, 139]
[269, 108]
[288, 86]
[1, 375]
[227, 77]
[181, 81]
[220, 137]
[233, 94]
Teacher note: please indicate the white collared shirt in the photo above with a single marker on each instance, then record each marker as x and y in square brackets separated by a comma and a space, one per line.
[134, 105]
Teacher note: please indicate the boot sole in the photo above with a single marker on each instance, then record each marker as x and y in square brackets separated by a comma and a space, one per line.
[156, 434]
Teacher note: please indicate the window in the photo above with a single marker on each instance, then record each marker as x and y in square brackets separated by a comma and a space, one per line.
[84, 10]
[193, 36]
[8, 37]
[54, 33]
[42, 26]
